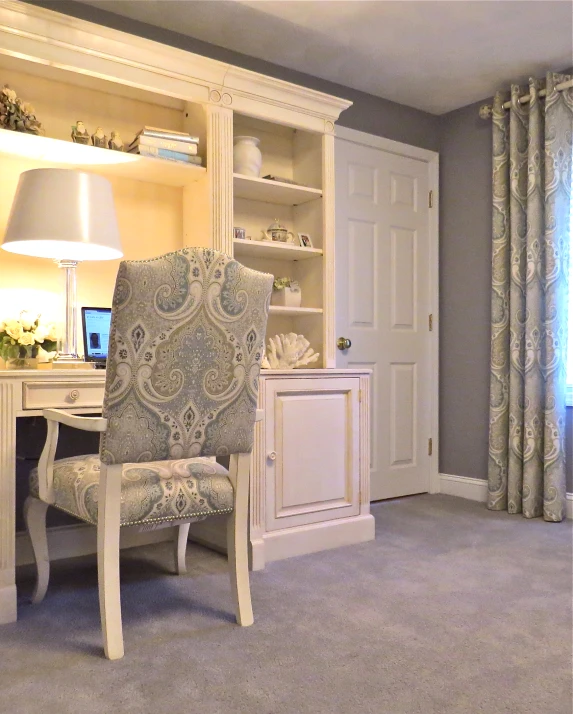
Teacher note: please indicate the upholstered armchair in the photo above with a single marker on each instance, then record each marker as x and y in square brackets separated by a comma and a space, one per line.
[186, 342]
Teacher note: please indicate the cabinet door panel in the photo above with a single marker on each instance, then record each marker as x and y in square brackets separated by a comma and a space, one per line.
[312, 433]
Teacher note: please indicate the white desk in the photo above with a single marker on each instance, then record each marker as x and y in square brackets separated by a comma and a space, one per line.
[26, 393]
[323, 508]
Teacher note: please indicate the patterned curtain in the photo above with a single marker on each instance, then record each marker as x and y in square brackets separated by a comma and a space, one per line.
[532, 151]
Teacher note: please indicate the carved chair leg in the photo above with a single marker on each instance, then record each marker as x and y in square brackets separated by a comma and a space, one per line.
[180, 549]
[35, 517]
[237, 549]
[108, 560]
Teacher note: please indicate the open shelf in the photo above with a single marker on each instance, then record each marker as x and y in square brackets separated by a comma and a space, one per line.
[66, 154]
[273, 249]
[286, 194]
[294, 311]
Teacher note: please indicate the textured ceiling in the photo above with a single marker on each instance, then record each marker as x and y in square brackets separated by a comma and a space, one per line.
[433, 55]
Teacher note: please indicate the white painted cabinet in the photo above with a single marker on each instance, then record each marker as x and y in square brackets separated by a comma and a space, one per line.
[312, 450]
[310, 476]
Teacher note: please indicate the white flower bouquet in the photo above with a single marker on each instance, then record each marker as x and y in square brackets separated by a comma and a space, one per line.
[26, 338]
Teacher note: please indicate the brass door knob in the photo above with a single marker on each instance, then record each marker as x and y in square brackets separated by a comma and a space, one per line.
[343, 343]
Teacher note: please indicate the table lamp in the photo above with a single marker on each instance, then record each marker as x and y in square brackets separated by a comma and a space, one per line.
[68, 216]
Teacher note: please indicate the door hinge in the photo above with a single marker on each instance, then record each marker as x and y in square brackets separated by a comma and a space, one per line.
[430, 199]
[430, 322]
[429, 447]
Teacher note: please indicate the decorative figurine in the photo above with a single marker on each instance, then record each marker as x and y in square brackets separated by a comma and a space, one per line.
[80, 134]
[99, 139]
[16, 114]
[278, 233]
[116, 142]
[288, 352]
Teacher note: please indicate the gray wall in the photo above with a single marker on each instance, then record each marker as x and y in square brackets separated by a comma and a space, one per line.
[465, 275]
[368, 113]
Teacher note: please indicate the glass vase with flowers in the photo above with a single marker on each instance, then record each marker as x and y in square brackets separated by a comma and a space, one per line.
[25, 341]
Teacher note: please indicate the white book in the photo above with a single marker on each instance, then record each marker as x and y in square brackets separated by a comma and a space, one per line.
[150, 142]
[168, 134]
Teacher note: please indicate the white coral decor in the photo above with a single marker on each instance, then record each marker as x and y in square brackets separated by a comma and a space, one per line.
[288, 352]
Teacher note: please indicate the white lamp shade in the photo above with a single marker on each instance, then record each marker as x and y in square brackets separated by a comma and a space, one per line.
[65, 215]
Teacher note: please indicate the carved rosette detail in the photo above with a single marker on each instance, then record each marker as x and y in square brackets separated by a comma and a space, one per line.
[329, 127]
[485, 111]
[215, 96]
[227, 99]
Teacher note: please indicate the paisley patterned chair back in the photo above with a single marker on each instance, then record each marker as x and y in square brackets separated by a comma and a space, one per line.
[186, 343]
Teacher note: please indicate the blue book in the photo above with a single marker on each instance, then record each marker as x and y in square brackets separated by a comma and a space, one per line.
[166, 154]
[174, 145]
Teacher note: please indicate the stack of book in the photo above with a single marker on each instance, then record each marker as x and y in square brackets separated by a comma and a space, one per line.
[166, 144]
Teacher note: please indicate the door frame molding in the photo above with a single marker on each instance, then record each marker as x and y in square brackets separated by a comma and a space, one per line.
[432, 158]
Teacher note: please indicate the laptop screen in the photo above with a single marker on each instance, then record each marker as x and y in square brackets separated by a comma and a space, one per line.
[95, 325]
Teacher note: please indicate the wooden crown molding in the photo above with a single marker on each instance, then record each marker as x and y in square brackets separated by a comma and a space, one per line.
[66, 42]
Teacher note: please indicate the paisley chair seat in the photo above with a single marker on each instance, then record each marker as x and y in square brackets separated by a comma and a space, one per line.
[150, 492]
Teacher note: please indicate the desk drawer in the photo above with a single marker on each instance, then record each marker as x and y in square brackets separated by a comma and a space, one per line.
[58, 395]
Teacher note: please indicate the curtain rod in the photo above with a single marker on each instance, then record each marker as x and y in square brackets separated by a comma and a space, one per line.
[486, 110]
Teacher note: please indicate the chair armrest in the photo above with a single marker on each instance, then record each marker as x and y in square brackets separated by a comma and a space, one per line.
[260, 414]
[77, 422]
[55, 417]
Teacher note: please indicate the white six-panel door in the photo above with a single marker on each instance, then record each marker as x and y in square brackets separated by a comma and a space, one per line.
[383, 304]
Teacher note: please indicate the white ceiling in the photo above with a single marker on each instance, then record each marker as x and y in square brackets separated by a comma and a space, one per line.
[434, 55]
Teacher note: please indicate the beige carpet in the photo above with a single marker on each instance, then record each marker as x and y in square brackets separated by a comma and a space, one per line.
[451, 609]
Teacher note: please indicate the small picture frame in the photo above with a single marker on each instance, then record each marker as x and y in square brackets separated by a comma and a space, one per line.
[239, 233]
[305, 240]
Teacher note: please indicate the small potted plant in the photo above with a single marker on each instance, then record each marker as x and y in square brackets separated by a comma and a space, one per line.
[25, 342]
[286, 292]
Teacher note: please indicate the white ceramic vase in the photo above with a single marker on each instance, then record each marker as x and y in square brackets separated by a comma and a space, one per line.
[247, 157]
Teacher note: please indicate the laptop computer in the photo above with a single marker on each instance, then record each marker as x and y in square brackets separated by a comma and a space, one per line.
[95, 326]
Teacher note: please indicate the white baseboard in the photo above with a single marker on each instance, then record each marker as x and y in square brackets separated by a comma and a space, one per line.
[289, 542]
[475, 489]
[312, 538]
[76, 540]
[8, 611]
[211, 533]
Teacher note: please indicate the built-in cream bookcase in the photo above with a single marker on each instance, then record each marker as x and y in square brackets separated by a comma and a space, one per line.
[297, 155]
[73, 70]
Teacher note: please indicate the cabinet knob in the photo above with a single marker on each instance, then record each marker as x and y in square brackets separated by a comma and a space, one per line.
[272, 455]
[74, 395]
[343, 343]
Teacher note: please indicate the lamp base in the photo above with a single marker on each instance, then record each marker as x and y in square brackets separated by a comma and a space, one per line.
[71, 364]
[68, 345]
[68, 358]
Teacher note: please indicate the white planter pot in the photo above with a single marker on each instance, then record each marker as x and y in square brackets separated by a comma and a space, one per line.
[247, 157]
[287, 297]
